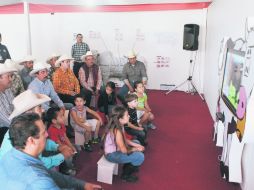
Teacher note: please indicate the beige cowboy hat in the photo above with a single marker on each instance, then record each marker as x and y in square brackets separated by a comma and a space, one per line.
[39, 66]
[62, 58]
[26, 101]
[131, 54]
[88, 53]
[7, 67]
[26, 58]
[12, 64]
[52, 56]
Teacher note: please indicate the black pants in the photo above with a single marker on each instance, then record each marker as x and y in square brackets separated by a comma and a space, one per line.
[76, 68]
[3, 130]
[66, 98]
[141, 135]
[88, 96]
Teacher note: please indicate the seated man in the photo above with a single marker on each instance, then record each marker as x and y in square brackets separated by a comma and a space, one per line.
[21, 169]
[90, 77]
[28, 63]
[42, 85]
[133, 71]
[64, 81]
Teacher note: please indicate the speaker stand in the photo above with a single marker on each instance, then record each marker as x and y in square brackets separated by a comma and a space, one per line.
[193, 88]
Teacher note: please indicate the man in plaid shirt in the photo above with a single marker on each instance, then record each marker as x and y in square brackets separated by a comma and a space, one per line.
[78, 49]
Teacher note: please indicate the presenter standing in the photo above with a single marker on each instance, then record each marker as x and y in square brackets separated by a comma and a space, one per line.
[4, 53]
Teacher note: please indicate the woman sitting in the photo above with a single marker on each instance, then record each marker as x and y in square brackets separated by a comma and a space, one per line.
[118, 149]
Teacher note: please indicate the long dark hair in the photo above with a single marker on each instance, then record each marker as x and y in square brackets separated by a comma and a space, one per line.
[114, 124]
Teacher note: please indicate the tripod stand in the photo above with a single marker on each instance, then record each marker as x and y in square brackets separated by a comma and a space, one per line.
[188, 80]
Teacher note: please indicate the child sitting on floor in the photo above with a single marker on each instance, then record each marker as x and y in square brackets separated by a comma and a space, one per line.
[57, 133]
[107, 99]
[143, 106]
[134, 128]
[85, 126]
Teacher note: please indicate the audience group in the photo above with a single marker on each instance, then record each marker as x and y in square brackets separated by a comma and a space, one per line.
[43, 100]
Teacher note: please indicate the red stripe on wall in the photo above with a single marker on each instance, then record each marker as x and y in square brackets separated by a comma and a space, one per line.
[41, 8]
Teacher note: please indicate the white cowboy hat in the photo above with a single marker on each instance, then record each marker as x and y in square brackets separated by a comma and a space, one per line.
[62, 58]
[52, 56]
[26, 101]
[131, 54]
[6, 68]
[39, 66]
[26, 58]
[88, 53]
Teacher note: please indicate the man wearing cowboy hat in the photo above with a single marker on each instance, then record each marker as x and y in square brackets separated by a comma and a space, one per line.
[78, 49]
[21, 169]
[64, 81]
[17, 86]
[6, 95]
[51, 60]
[90, 77]
[28, 102]
[133, 71]
[4, 53]
[27, 62]
[42, 85]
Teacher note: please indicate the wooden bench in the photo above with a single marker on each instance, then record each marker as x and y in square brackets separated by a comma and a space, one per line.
[105, 170]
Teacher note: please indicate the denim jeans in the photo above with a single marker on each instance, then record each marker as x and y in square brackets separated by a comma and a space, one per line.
[135, 158]
[123, 91]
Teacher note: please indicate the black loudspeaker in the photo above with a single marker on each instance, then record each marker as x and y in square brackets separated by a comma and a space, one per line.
[190, 37]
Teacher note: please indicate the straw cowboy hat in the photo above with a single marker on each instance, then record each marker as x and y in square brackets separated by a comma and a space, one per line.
[52, 56]
[62, 58]
[26, 101]
[12, 64]
[39, 66]
[26, 58]
[6, 68]
[131, 54]
[88, 53]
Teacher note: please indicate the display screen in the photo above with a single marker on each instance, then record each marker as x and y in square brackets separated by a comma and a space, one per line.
[233, 71]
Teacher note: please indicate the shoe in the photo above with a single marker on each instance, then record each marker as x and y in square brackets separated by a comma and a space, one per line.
[96, 140]
[87, 148]
[70, 172]
[129, 178]
[151, 126]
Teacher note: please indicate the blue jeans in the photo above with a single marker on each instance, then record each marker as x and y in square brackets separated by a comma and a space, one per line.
[123, 91]
[135, 158]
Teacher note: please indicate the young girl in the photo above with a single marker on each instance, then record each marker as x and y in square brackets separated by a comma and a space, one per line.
[57, 133]
[118, 149]
[143, 108]
[85, 126]
[107, 99]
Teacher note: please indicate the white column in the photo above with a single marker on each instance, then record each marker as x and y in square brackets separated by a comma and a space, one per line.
[27, 21]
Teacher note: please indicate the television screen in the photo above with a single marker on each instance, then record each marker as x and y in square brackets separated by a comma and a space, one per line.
[233, 71]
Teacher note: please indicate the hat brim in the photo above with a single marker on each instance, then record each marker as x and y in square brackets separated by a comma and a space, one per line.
[9, 70]
[57, 64]
[19, 110]
[32, 73]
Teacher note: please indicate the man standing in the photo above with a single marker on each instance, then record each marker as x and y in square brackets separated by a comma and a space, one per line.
[21, 169]
[90, 77]
[133, 71]
[4, 53]
[78, 49]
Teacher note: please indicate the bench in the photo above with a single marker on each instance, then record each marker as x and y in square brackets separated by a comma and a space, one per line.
[105, 170]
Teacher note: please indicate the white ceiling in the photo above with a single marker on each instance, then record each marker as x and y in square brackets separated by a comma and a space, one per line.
[100, 2]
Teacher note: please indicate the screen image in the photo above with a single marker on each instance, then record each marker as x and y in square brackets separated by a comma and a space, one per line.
[233, 71]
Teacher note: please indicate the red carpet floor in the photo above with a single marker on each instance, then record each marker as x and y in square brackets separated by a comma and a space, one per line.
[181, 154]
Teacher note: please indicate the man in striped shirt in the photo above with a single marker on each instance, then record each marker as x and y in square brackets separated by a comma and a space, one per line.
[78, 49]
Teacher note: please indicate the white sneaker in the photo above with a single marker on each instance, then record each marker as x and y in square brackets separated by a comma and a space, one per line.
[151, 126]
